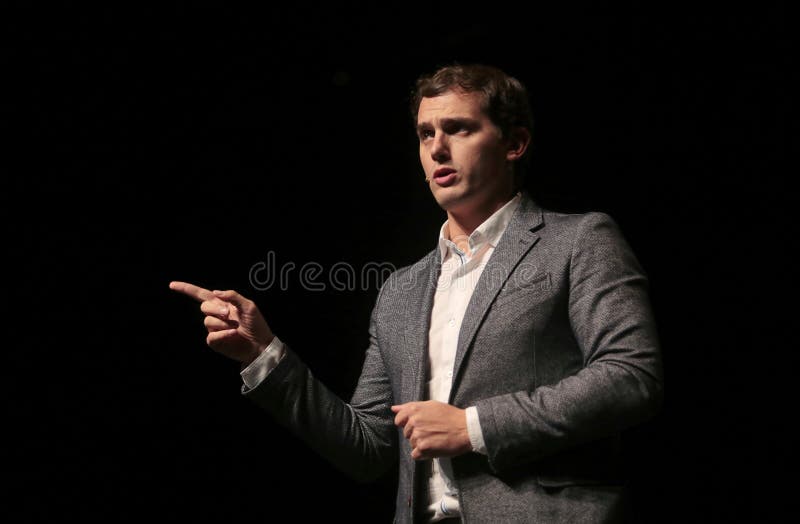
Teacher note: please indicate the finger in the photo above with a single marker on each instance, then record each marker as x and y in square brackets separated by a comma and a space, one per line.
[408, 430]
[401, 418]
[216, 308]
[219, 336]
[233, 297]
[417, 454]
[216, 324]
[397, 408]
[198, 293]
[404, 412]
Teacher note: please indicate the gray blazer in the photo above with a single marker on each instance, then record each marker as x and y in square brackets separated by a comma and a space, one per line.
[558, 351]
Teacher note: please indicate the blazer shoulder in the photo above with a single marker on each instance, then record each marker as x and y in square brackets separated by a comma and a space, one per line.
[578, 221]
[569, 228]
[532, 213]
[408, 277]
[597, 239]
[577, 233]
[421, 265]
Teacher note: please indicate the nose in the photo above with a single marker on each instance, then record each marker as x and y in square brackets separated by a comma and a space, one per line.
[440, 150]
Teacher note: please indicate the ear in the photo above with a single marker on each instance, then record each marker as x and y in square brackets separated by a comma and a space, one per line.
[518, 140]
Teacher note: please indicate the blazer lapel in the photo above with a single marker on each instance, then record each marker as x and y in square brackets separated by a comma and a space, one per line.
[520, 236]
[423, 278]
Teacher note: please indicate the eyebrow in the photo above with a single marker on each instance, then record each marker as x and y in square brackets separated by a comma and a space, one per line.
[465, 121]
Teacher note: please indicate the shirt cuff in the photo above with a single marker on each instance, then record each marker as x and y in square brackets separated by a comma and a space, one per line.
[258, 369]
[474, 430]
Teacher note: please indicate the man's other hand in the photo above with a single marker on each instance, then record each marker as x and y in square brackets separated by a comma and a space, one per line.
[435, 429]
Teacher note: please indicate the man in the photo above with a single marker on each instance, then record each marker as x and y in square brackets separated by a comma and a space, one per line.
[503, 365]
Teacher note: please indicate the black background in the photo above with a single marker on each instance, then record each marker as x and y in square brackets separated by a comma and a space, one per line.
[187, 142]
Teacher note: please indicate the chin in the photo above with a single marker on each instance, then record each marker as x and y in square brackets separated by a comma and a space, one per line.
[449, 198]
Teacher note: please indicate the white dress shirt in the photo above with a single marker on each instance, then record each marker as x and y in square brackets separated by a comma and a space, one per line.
[463, 260]
[461, 268]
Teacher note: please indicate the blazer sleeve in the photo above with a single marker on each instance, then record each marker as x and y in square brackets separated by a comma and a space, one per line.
[358, 437]
[620, 383]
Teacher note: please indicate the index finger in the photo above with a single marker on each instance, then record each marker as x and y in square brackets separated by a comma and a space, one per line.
[405, 406]
[401, 417]
[198, 293]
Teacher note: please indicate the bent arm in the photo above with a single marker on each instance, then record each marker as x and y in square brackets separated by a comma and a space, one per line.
[359, 437]
[620, 383]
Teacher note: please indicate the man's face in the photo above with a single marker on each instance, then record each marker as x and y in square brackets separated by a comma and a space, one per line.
[462, 152]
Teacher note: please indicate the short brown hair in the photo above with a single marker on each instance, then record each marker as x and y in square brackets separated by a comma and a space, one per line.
[505, 99]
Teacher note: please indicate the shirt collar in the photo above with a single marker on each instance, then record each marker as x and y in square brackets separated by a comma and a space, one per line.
[489, 231]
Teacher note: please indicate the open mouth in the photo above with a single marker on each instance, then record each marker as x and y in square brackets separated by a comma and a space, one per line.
[444, 176]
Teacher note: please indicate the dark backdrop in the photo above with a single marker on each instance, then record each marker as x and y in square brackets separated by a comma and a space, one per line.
[189, 142]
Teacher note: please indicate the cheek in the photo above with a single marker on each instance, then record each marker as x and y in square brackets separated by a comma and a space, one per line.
[481, 162]
[425, 160]
[424, 155]
[489, 158]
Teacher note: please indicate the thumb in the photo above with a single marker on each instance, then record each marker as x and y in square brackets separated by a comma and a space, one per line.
[231, 296]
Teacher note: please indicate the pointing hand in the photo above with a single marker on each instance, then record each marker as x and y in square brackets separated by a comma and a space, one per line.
[235, 326]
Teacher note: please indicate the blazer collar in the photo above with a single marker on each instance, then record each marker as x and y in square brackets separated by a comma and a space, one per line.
[489, 232]
[519, 237]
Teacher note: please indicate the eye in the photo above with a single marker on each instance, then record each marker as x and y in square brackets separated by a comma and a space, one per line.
[425, 133]
[456, 128]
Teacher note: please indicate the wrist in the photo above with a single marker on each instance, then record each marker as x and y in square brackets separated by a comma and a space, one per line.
[254, 354]
[257, 351]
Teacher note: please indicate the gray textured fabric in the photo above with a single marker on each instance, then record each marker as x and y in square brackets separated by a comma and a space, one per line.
[558, 351]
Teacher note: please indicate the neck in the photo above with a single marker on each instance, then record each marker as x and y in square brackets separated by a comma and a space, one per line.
[461, 224]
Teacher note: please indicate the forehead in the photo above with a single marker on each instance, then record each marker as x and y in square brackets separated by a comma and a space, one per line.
[449, 105]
